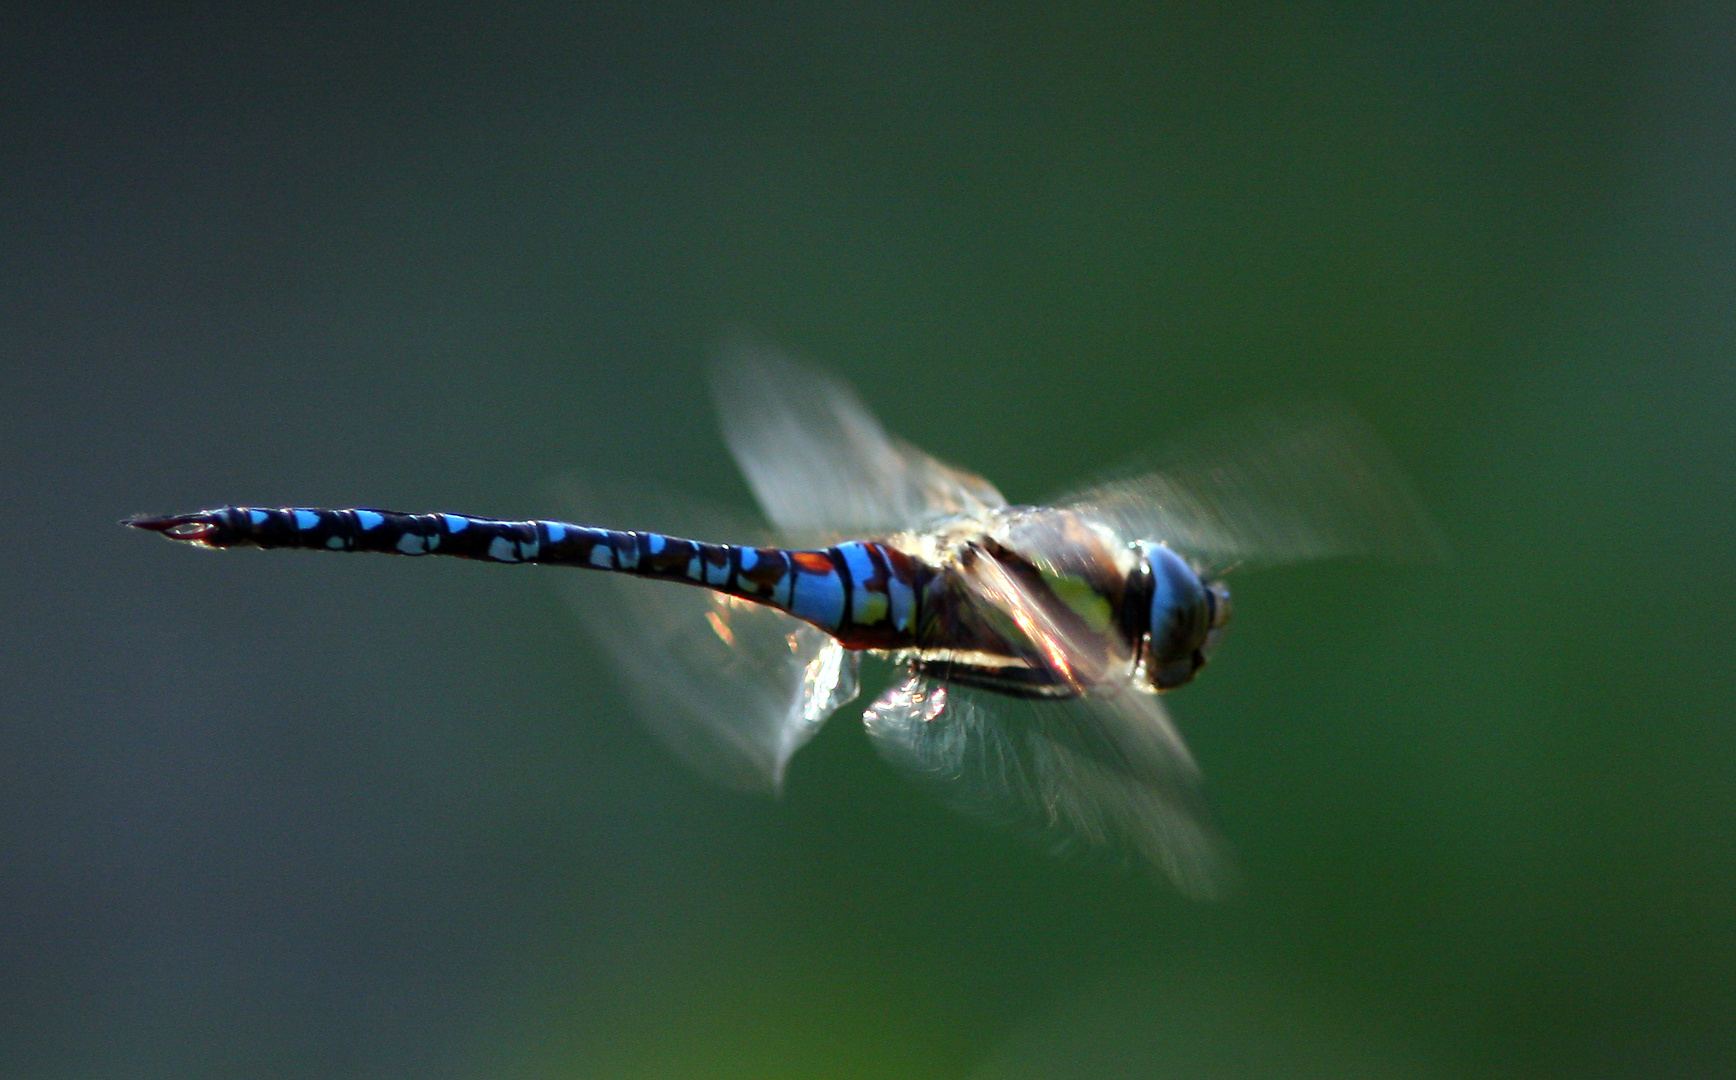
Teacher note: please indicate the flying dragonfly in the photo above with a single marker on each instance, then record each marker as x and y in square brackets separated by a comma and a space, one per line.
[1032, 642]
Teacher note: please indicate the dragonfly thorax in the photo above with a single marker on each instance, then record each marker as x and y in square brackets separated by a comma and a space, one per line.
[1184, 616]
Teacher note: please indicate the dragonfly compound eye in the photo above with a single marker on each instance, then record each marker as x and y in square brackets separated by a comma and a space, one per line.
[1184, 614]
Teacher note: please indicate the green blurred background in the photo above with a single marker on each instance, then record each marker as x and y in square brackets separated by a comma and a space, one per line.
[287, 815]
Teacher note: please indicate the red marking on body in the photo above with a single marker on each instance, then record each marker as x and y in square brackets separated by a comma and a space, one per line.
[898, 564]
[814, 562]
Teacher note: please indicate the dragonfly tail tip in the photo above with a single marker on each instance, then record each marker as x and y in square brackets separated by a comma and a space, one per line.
[174, 526]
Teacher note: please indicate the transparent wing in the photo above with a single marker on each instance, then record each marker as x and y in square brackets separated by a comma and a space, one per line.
[818, 461]
[733, 688]
[1042, 581]
[1052, 636]
[1291, 484]
[1107, 773]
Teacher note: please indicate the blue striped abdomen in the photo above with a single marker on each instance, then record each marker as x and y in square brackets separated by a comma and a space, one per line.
[865, 594]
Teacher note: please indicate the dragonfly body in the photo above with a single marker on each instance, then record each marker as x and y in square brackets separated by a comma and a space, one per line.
[906, 594]
[1033, 639]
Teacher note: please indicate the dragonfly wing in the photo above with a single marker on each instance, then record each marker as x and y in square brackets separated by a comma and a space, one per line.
[1058, 640]
[733, 688]
[1291, 484]
[1046, 592]
[819, 462]
[1106, 773]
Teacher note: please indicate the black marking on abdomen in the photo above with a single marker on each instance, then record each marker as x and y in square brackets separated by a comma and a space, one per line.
[841, 567]
[771, 579]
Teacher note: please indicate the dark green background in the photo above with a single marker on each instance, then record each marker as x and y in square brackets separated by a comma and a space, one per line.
[288, 815]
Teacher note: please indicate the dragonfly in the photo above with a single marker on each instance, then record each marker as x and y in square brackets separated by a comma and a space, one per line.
[1032, 644]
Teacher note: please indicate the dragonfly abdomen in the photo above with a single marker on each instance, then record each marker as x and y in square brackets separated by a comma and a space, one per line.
[864, 593]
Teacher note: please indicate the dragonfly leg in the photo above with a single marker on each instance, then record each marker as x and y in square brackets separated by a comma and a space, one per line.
[1013, 680]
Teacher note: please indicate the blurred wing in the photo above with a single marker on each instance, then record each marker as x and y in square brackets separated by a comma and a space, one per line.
[1058, 639]
[733, 688]
[1283, 485]
[1047, 590]
[1104, 772]
[818, 461]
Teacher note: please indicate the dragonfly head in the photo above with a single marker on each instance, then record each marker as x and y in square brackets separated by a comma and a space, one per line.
[1183, 620]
